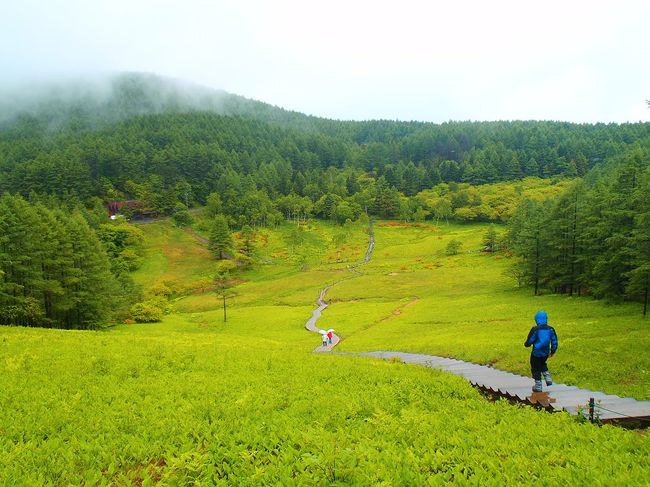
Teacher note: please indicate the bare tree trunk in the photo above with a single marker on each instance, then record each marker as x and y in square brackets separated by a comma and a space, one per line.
[645, 301]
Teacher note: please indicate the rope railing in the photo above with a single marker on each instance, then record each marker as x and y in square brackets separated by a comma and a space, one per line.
[598, 406]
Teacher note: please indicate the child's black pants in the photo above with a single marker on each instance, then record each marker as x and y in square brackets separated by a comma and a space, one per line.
[537, 366]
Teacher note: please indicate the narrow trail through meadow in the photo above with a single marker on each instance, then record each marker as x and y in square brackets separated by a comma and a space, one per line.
[198, 237]
[398, 311]
[516, 388]
[311, 323]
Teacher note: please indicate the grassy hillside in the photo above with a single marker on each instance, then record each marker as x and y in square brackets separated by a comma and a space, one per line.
[411, 297]
[466, 306]
[182, 403]
[194, 400]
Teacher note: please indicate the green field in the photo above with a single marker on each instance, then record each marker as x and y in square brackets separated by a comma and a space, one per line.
[411, 297]
[465, 306]
[196, 401]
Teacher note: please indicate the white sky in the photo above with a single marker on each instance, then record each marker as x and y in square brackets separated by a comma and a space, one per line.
[574, 60]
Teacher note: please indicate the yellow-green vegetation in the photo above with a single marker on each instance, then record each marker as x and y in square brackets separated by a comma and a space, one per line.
[174, 257]
[415, 298]
[410, 297]
[181, 403]
[488, 202]
[194, 400]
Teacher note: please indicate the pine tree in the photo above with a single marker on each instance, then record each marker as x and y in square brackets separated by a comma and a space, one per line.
[93, 286]
[20, 302]
[490, 240]
[527, 236]
[213, 206]
[639, 277]
[565, 237]
[223, 284]
[54, 257]
[53, 270]
[11, 262]
[220, 239]
[248, 240]
[386, 203]
[613, 230]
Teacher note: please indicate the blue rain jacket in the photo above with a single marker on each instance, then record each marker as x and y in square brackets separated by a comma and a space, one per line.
[542, 337]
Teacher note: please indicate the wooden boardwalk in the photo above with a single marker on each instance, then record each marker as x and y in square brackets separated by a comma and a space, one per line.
[558, 397]
[311, 323]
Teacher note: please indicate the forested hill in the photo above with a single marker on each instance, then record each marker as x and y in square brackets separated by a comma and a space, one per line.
[80, 104]
[70, 149]
[139, 131]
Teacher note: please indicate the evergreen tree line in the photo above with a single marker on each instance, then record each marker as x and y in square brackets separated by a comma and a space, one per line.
[594, 239]
[54, 270]
[170, 158]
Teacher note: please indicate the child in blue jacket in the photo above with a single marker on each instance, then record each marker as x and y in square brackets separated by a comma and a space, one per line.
[544, 341]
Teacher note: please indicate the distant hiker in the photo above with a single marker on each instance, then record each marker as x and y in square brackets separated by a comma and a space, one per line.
[544, 341]
[324, 339]
[330, 335]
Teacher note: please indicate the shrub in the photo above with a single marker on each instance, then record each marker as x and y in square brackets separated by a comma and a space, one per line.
[244, 261]
[160, 289]
[149, 311]
[453, 247]
[131, 259]
[182, 217]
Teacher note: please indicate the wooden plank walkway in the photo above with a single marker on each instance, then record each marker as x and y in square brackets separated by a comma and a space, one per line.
[558, 397]
[311, 323]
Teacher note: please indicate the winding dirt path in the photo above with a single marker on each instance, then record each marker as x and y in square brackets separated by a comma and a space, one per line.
[198, 237]
[398, 311]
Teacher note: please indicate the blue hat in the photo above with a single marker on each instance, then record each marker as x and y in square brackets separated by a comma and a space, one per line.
[541, 318]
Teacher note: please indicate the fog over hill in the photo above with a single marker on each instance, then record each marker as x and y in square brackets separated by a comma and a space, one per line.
[99, 99]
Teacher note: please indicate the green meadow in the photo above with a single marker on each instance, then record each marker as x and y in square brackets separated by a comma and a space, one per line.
[415, 298]
[194, 400]
[411, 297]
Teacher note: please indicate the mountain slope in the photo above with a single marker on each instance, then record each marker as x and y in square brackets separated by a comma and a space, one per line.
[95, 101]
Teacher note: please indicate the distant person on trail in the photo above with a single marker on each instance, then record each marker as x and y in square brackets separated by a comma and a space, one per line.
[330, 335]
[324, 339]
[544, 341]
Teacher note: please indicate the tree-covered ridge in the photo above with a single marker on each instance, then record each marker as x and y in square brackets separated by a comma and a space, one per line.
[94, 141]
[81, 104]
[215, 153]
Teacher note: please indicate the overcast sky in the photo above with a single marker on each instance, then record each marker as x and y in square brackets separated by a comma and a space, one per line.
[581, 61]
